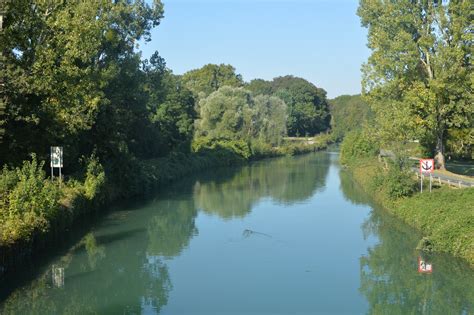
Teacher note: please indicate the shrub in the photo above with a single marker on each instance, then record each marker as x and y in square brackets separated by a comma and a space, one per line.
[223, 146]
[395, 182]
[28, 201]
[95, 178]
[358, 144]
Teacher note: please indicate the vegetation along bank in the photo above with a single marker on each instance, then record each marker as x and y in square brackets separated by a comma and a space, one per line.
[72, 75]
[445, 216]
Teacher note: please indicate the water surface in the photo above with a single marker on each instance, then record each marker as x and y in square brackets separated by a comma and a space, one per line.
[281, 236]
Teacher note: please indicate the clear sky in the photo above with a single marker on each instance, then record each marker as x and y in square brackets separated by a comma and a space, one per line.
[319, 40]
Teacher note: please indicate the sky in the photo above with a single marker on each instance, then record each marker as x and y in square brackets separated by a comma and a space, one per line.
[319, 40]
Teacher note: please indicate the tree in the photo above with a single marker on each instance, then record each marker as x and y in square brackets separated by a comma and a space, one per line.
[270, 115]
[348, 112]
[308, 110]
[419, 77]
[210, 78]
[63, 64]
[170, 104]
[226, 114]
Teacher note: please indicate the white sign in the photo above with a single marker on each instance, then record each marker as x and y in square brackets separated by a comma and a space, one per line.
[424, 267]
[426, 166]
[57, 157]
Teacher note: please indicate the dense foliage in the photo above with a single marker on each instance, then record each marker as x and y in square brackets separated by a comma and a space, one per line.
[308, 109]
[72, 75]
[234, 114]
[348, 112]
[419, 77]
[210, 78]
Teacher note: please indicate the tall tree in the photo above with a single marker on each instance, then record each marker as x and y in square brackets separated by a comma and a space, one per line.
[210, 78]
[419, 78]
[62, 61]
[226, 114]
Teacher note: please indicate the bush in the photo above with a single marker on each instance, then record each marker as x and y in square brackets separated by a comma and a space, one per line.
[358, 144]
[224, 146]
[28, 200]
[95, 179]
[260, 148]
[399, 183]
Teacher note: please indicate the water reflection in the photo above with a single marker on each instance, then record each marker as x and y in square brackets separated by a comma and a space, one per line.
[285, 180]
[389, 272]
[121, 267]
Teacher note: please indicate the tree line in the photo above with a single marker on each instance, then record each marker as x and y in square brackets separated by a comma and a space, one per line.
[73, 76]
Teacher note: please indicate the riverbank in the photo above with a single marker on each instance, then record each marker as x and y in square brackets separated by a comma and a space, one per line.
[445, 217]
[21, 236]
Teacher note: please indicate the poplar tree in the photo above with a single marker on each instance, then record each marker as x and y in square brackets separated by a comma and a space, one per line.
[419, 77]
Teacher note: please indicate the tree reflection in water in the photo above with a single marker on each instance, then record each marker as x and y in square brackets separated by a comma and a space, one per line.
[120, 268]
[232, 194]
[389, 271]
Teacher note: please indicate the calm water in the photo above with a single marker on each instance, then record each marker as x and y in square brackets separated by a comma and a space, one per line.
[285, 236]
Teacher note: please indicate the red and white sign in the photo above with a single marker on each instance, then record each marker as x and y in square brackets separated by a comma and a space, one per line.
[424, 267]
[426, 166]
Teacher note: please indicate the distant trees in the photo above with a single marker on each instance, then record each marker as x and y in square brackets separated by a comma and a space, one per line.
[234, 114]
[73, 77]
[210, 78]
[308, 110]
[348, 112]
[419, 78]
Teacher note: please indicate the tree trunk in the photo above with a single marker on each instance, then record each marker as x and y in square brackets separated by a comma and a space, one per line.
[439, 156]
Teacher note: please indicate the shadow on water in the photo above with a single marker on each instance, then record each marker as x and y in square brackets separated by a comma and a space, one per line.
[389, 276]
[118, 265]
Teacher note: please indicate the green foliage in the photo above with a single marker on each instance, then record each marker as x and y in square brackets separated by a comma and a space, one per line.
[71, 74]
[95, 179]
[419, 77]
[226, 114]
[210, 78]
[358, 144]
[444, 216]
[308, 109]
[348, 112]
[460, 143]
[395, 182]
[28, 201]
[238, 148]
[233, 114]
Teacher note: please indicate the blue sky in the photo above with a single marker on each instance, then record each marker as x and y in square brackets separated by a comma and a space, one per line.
[319, 40]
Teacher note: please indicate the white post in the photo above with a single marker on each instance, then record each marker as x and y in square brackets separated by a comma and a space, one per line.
[430, 182]
[421, 182]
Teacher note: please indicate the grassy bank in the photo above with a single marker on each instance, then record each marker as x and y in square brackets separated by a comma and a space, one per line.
[35, 211]
[445, 217]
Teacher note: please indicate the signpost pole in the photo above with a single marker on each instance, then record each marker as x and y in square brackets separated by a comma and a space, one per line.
[430, 182]
[421, 181]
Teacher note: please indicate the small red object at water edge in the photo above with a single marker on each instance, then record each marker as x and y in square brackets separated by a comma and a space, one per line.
[424, 267]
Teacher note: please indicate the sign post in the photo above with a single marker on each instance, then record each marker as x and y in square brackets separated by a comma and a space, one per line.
[56, 160]
[426, 166]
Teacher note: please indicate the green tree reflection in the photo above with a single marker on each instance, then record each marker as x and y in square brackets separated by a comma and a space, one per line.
[170, 230]
[285, 180]
[389, 275]
[390, 280]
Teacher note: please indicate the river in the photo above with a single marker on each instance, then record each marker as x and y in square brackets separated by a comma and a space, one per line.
[291, 235]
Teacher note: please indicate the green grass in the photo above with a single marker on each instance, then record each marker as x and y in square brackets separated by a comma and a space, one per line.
[445, 217]
[461, 167]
